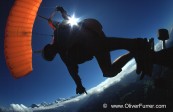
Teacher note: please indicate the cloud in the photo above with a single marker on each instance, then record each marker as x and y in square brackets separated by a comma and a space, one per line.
[19, 108]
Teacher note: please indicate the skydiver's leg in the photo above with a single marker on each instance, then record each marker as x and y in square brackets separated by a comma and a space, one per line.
[104, 61]
[132, 45]
[112, 69]
[121, 61]
[138, 49]
[108, 68]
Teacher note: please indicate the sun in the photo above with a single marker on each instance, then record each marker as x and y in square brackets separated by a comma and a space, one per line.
[73, 21]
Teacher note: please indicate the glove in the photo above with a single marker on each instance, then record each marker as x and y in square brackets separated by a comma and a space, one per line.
[80, 90]
[59, 8]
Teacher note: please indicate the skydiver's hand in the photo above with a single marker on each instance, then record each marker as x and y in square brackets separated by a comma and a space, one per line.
[80, 90]
[59, 8]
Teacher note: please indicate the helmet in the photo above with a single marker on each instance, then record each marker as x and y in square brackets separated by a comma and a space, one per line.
[49, 52]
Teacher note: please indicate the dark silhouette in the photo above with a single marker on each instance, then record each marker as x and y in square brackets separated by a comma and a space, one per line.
[163, 35]
[163, 57]
[82, 42]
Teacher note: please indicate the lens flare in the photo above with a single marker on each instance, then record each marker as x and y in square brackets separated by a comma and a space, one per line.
[73, 21]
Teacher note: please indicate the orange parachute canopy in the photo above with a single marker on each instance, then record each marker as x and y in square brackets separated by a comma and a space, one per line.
[18, 35]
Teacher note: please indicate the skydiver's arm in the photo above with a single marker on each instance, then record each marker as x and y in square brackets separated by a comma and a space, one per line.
[63, 12]
[51, 22]
[73, 70]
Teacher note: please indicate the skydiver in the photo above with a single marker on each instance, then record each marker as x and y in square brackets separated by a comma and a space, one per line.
[87, 40]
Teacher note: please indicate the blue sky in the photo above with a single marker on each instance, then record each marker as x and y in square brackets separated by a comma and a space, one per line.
[51, 80]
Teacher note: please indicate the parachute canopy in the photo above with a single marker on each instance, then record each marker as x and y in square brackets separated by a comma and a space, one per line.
[18, 35]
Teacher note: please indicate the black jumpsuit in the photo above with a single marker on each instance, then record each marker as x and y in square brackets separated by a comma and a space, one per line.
[79, 44]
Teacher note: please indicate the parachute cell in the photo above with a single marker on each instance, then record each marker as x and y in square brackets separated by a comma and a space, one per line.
[18, 36]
